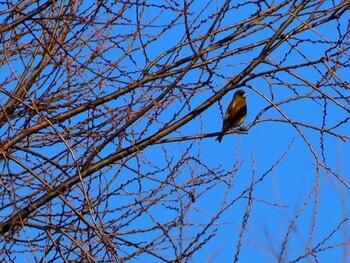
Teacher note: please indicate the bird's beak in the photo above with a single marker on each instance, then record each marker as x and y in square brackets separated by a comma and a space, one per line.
[245, 95]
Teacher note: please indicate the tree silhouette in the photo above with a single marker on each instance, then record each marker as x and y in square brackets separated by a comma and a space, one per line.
[110, 110]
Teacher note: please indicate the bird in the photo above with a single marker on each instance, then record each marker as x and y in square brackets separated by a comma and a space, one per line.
[235, 114]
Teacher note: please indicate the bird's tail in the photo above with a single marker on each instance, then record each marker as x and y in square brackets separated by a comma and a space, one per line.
[219, 138]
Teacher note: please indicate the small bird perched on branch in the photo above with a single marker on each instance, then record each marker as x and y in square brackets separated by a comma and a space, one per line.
[235, 114]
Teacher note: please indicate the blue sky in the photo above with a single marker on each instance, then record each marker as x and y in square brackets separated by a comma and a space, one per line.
[296, 198]
[296, 182]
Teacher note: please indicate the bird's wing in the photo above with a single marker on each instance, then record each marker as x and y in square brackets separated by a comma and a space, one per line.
[236, 113]
[231, 109]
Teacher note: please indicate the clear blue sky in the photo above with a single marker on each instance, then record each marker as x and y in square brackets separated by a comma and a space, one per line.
[295, 192]
[297, 196]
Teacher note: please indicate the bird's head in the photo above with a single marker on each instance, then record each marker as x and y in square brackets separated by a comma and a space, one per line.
[241, 94]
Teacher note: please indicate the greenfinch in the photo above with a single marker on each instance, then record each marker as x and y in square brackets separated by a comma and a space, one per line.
[235, 114]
